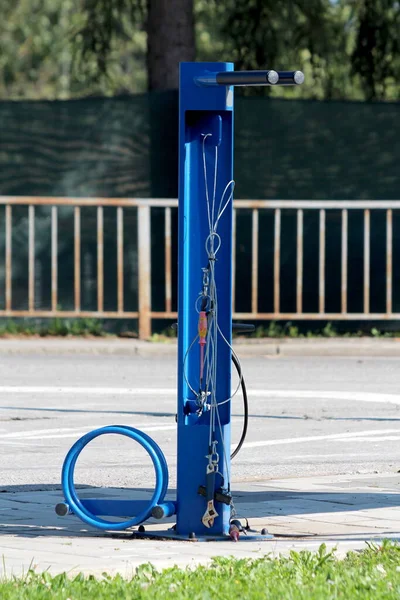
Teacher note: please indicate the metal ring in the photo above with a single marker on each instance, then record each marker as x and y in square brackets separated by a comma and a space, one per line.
[160, 468]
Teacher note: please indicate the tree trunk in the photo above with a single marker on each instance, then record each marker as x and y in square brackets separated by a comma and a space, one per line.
[170, 40]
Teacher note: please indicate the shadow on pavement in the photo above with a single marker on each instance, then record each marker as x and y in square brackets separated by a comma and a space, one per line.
[146, 413]
[28, 511]
[92, 411]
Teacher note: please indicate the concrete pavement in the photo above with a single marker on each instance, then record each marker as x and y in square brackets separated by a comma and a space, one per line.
[320, 463]
[301, 513]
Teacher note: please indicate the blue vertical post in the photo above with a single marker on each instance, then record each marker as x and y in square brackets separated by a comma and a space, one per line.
[205, 274]
[202, 111]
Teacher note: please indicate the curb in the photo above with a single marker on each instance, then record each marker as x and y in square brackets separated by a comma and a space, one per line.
[267, 347]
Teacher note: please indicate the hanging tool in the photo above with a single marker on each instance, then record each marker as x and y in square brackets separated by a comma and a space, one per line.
[202, 341]
[212, 469]
[203, 321]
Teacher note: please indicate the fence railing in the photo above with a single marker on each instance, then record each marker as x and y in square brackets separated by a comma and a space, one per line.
[144, 312]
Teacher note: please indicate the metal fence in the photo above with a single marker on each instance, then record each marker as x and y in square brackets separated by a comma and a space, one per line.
[144, 312]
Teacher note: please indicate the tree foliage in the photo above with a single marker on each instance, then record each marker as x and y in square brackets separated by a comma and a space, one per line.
[347, 48]
[44, 53]
[376, 55]
[103, 23]
[274, 33]
[70, 48]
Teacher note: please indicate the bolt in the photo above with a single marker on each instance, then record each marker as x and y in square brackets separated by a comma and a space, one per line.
[62, 509]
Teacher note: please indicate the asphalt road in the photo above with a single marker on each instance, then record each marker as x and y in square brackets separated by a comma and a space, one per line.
[308, 416]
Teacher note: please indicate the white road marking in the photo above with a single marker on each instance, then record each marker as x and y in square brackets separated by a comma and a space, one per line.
[328, 395]
[304, 394]
[15, 443]
[57, 436]
[73, 430]
[90, 391]
[360, 435]
[324, 456]
[18, 434]
[115, 391]
[387, 438]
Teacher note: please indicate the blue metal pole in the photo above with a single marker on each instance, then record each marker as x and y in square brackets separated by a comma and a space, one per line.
[202, 111]
[203, 504]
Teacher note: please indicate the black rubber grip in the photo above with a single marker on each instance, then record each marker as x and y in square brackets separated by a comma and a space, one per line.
[290, 77]
[270, 77]
[247, 78]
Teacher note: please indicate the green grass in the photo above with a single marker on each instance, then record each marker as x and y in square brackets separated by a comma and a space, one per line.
[371, 574]
[97, 327]
[278, 330]
[53, 327]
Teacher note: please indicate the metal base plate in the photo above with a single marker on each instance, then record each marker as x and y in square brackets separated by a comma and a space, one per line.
[170, 534]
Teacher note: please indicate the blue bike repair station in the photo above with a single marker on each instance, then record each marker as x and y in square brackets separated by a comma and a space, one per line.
[204, 505]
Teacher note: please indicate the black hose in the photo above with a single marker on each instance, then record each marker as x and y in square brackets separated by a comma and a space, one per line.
[241, 327]
[245, 407]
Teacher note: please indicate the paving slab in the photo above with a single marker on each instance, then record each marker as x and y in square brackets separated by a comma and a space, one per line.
[320, 462]
[301, 513]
